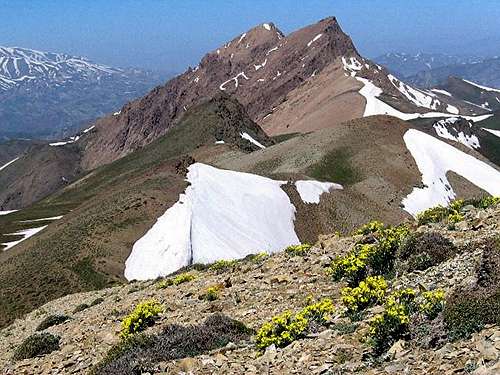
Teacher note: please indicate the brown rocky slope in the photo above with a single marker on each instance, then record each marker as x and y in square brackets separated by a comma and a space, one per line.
[255, 290]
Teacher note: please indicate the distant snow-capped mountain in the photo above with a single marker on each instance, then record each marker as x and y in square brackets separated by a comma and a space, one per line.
[405, 64]
[44, 94]
[20, 66]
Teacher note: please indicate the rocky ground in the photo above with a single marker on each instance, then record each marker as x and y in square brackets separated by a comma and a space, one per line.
[257, 290]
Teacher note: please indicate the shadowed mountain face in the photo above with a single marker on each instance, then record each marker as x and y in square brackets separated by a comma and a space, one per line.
[486, 72]
[405, 65]
[45, 95]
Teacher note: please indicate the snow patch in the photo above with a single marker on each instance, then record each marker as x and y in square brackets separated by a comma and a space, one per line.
[7, 212]
[266, 26]
[310, 190]
[222, 215]
[249, 138]
[482, 87]
[9, 163]
[219, 142]
[257, 67]
[235, 79]
[417, 97]
[88, 129]
[493, 131]
[434, 158]
[26, 233]
[443, 92]
[314, 39]
[42, 219]
[442, 130]
[452, 109]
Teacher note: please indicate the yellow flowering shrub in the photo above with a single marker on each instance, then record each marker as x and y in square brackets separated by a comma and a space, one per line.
[349, 267]
[141, 317]
[281, 330]
[222, 265]
[370, 259]
[298, 250]
[369, 292]
[371, 227]
[432, 303]
[452, 213]
[287, 327]
[179, 279]
[388, 327]
[212, 292]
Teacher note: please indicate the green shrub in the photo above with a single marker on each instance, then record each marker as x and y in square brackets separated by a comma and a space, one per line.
[52, 320]
[223, 265]
[212, 292]
[36, 345]
[141, 317]
[432, 303]
[371, 227]
[81, 307]
[97, 301]
[285, 328]
[468, 311]
[85, 306]
[419, 251]
[141, 353]
[176, 280]
[298, 250]
[452, 213]
[369, 292]
[319, 312]
[484, 202]
[388, 327]
[257, 258]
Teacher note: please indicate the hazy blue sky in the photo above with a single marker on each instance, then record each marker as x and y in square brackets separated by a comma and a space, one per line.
[170, 35]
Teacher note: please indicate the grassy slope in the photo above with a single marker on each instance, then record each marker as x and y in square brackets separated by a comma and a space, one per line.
[106, 211]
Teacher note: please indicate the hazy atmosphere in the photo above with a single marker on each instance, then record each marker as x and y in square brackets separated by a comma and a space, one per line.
[169, 35]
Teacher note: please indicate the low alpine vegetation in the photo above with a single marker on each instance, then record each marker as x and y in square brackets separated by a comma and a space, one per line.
[369, 228]
[140, 353]
[212, 292]
[369, 292]
[223, 265]
[36, 345]
[85, 306]
[400, 308]
[141, 317]
[52, 320]
[419, 251]
[177, 280]
[454, 212]
[287, 327]
[370, 259]
[298, 250]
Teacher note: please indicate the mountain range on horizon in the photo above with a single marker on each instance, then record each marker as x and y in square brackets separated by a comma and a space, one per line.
[271, 140]
[52, 95]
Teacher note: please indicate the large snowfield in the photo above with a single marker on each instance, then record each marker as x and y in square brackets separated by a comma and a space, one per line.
[434, 159]
[223, 214]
